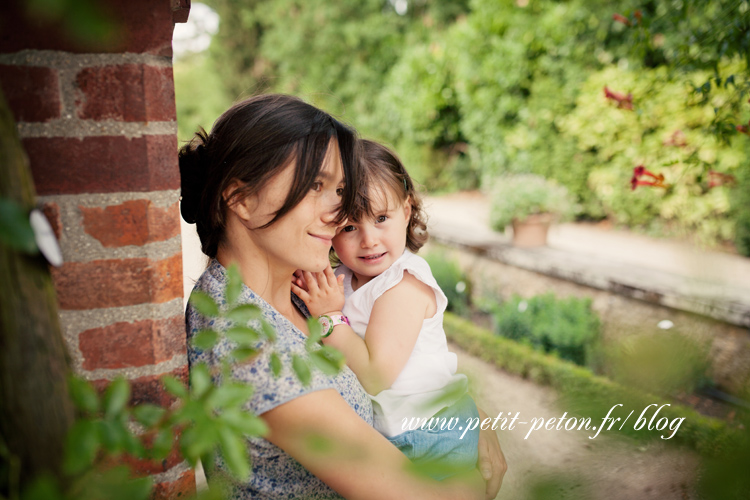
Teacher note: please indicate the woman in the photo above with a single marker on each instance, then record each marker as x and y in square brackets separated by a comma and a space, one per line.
[267, 190]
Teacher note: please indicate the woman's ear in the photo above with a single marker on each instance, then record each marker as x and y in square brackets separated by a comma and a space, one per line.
[241, 206]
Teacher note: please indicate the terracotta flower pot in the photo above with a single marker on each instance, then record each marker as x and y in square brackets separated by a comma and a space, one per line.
[531, 231]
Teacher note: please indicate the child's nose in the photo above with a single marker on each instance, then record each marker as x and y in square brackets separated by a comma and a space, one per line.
[368, 239]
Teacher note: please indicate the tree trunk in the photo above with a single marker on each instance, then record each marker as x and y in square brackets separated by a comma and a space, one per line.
[35, 408]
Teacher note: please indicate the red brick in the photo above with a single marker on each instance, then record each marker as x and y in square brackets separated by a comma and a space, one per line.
[134, 222]
[52, 212]
[129, 92]
[139, 26]
[125, 345]
[105, 164]
[149, 389]
[117, 282]
[33, 93]
[180, 488]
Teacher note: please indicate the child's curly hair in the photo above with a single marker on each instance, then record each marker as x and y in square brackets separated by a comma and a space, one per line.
[380, 169]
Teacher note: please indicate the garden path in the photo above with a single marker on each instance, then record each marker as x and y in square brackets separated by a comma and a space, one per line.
[604, 467]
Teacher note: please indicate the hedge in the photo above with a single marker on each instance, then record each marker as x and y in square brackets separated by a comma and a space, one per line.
[593, 395]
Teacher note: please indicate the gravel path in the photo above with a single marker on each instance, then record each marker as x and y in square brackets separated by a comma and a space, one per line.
[602, 468]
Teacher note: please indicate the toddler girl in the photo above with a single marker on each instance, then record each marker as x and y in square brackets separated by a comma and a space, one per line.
[384, 310]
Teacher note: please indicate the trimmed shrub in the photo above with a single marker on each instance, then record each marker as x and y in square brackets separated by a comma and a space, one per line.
[567, 327]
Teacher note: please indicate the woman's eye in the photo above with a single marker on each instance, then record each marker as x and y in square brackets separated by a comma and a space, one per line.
[382, 218]
[348, 229]
[339, 192]
[317, 186]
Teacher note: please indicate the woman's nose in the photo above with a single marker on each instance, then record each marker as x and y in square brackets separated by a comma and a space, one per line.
[331, 207]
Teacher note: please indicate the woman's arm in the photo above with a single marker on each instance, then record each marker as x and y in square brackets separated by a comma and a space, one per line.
[358, 462]
[491, 462]
[394, 325]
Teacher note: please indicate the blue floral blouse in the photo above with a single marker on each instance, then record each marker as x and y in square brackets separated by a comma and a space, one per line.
[275, 474]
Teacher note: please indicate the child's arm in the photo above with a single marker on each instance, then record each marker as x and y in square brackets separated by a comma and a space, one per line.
[392, 330]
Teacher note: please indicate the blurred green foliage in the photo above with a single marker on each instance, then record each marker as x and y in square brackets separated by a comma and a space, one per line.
[453, 281]
[567, 327]
[466, 91]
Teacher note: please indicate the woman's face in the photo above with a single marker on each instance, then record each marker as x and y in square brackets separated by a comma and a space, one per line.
[302, 238]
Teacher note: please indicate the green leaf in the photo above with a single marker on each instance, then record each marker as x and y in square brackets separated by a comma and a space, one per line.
[200, 380]
[234, 451]
[269, 331]
[328, 360]
[15, 228]
[243, 313]
[116, 397]
[230, 395]
[83, 394]
[174, 386]
[205, 340]
[42, 488]
[243, 335]
[302, 369]
[204, 304]
[248, 424]
[242, 354]
[314, 328]
[198, 440]
[162, 444]
[148, 414]
[234, 283]
[113, 435]
[275, 363]
[82, 445]
[134, 446]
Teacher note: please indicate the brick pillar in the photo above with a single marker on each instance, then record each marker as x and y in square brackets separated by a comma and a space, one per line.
[98, 125]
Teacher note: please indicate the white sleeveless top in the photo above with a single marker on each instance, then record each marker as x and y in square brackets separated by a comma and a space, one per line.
[428, 381]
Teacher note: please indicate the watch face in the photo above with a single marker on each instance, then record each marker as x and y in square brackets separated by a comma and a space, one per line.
[325, 324]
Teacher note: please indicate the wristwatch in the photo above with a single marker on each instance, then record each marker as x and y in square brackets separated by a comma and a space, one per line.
[328, 322]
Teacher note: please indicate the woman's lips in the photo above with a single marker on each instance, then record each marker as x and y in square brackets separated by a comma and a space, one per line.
[325, 239]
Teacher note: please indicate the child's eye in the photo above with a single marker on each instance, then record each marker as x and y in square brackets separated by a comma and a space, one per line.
[348, 229]
[382, 218]
[316, 186]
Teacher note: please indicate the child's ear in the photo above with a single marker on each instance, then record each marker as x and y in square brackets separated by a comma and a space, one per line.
[241, 206]
[407, 208]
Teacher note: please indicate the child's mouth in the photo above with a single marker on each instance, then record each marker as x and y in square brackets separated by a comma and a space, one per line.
[376, 256]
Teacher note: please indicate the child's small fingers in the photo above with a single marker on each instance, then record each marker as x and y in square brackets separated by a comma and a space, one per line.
[330, 276]
[310, 280]
[299, 292]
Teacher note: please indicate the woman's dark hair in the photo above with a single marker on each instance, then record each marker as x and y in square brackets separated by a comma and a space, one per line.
[250, 143]
[382, 172]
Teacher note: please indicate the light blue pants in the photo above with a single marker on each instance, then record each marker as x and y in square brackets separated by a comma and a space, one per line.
[441, 453]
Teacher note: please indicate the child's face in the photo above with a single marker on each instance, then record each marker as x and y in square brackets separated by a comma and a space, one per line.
[369, 247]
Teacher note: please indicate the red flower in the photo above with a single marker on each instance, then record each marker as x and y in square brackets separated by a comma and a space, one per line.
[623, 101]
[719, 179]
[621, 19]
[744, 129]
[640, 171]
[638, 16]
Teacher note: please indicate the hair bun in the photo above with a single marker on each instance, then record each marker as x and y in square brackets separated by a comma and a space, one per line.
[193, 174]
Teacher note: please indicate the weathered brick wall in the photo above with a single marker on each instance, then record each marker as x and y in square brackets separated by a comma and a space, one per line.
[98, 125]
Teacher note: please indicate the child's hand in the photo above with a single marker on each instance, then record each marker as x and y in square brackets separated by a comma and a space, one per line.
[322, 292]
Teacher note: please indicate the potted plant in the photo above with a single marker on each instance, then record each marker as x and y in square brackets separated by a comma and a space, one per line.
[530, 203]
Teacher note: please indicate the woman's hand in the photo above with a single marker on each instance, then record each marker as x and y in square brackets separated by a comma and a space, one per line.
[322, 293]
[491, 461]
